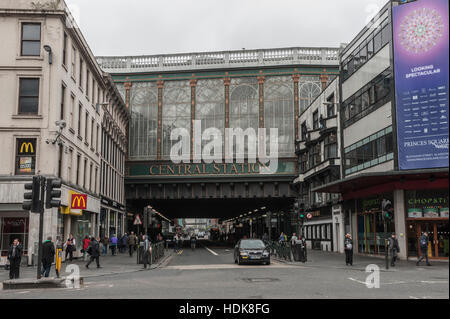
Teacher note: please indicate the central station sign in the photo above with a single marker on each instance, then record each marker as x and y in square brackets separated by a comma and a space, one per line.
[215, 169]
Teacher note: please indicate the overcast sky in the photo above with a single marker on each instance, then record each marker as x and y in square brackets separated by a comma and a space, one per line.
[137, 27]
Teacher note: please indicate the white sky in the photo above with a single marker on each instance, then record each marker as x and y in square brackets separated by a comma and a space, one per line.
[137, 27]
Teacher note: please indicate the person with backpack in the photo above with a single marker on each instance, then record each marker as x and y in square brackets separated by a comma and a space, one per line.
[423, 242]
[348, 247]
[94, 252]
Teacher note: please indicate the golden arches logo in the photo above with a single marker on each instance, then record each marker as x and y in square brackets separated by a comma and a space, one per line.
[27, 146]
[78, 199]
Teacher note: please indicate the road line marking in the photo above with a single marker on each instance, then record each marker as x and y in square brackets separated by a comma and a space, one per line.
[413, 297]
[212, 252]
[361, 282]
[434, 282]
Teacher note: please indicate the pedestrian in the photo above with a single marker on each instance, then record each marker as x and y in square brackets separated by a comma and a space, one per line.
[94, 252]
[86, 241]
[48, 256]
[303, 254]
[294, 239]
[175, 243]
[394, 248]
[282, 238]
[348, 247]
[15, 257]
[147, 251]
[423, 242]
[124, 242]
[70, 247]
[105, 242]
[113, 245]
[131, 243]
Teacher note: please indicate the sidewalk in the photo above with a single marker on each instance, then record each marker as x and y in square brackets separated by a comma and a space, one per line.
[324, 259]
[110, 265]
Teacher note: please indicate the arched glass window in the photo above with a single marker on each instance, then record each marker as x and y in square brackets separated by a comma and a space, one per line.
[309, 89]
[210, 105]
[176, 111]
[279, 112]
[244, 105]
[144, 120]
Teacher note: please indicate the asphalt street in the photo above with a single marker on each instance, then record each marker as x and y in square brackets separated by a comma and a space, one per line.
[210, 272]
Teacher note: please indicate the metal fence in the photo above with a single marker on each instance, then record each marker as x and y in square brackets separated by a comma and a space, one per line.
[281, 250]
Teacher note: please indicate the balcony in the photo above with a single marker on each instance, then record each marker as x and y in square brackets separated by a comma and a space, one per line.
[327, 164]
[221, 59]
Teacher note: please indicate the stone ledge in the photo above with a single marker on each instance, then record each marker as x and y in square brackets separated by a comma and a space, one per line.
[36, 283]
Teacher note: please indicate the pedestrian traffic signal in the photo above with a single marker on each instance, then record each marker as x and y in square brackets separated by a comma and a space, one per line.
[32, 199]
[387, 209]
[53, 192]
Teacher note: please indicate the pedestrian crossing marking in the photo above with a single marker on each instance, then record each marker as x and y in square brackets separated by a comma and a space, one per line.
[227, 266]
[179, 252]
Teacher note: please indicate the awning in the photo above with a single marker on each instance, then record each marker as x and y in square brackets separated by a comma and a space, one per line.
[374, 183]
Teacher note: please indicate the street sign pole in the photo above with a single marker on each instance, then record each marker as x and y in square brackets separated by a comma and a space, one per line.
[41, 224]
[386, 252]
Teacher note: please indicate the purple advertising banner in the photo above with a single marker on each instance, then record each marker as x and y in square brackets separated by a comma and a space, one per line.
[421, 52]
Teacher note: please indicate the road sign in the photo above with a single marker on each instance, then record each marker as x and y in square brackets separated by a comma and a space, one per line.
[309, 216]
[137, 220]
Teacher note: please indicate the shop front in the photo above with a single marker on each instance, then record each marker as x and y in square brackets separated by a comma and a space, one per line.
[370, 224]
[12, 227]
[427, 211]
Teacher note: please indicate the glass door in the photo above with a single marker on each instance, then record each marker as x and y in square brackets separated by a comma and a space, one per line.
[442, 234]
[429, 227]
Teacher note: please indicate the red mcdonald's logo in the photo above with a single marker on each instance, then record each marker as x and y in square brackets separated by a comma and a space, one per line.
[78, 201]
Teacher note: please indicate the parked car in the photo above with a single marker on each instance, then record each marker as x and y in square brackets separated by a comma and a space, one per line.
[251, 251]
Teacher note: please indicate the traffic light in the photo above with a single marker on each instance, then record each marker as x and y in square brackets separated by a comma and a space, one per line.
[53, 192]
[387, 209]
[32, 199]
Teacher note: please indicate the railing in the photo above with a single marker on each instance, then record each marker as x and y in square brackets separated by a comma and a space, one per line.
[157, 251]
[281, 250]
[224, 59]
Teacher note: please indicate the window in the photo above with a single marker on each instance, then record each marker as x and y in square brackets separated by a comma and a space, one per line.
[80, 80]
[26, 156]
[370, 49]
[64, 55]
[330, 106]
[69, 167]
[86, 126]
[78, 169]
[28, 96]
[304, 131]
[371, 153]
[97, 137]
[330, 146]
[85, 173]
[73, 58]
[80, 112]
[31, 39]
[92, 132]
[90, 177]
[377, 44]
[315, 120]
[63, 97]
[87, 83]
[95, 180]
[72, 110]
[316, 154]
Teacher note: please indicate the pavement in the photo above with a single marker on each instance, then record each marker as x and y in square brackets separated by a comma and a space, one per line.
[209, 272]
[121, 263]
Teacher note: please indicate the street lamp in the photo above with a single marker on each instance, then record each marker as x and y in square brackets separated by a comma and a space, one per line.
[50, 54]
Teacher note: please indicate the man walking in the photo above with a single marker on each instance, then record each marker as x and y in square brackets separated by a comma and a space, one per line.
[348, 247]
[394, 248]
[14, 257]
[423, 242]
[48, 255]
[124, 243]
[294, 250]
[94, 252]
[105, 242]
[132, 243]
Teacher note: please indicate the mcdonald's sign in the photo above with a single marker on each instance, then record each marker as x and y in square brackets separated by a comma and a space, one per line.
[26, 146]
[78, 201]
